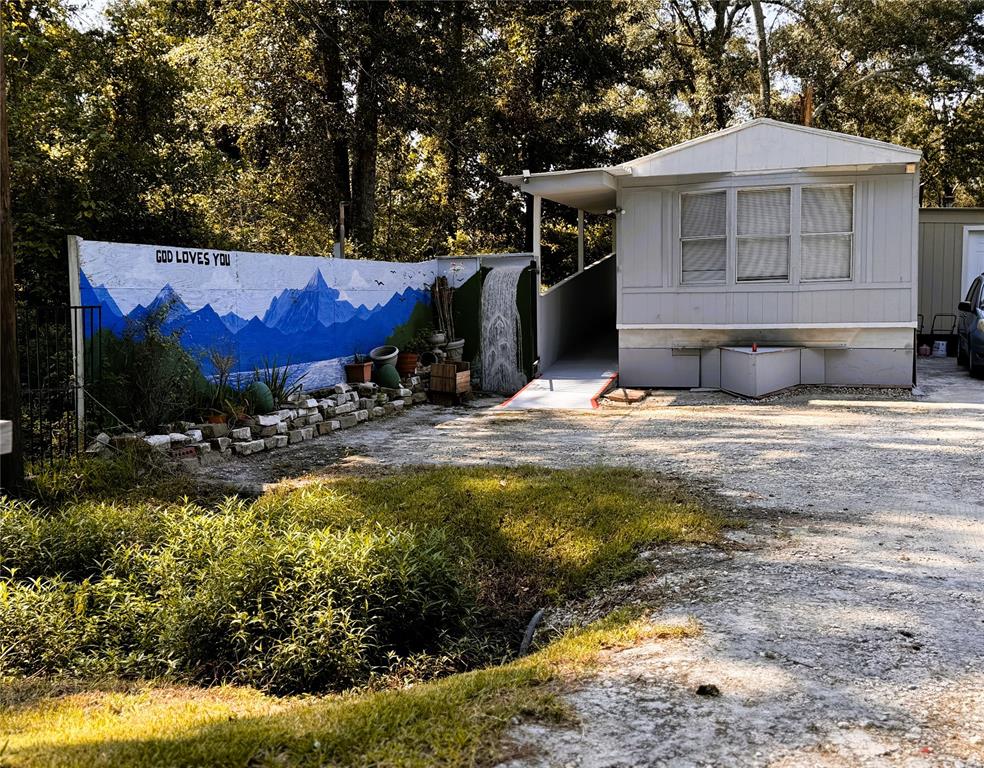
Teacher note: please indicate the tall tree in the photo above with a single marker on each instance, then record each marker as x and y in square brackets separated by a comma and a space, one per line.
[11, 464]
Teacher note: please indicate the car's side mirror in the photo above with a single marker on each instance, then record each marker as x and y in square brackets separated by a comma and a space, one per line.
[963, 306]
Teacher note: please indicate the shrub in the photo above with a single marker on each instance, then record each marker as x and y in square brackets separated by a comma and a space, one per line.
[144, 591]
[145, 377]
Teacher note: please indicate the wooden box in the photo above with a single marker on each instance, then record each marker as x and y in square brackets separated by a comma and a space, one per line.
[453, 377]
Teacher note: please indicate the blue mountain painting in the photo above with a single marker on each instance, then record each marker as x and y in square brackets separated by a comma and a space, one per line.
[304, 325]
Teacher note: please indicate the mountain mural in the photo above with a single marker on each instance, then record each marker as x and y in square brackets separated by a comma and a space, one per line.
[304, 325]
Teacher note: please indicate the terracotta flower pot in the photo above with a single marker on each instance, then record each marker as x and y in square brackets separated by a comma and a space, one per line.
[406, 363]
[358, 373]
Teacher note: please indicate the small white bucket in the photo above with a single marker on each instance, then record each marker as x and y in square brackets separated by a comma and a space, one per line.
[939, 349]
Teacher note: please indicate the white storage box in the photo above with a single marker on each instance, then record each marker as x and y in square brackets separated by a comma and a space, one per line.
[760, 372]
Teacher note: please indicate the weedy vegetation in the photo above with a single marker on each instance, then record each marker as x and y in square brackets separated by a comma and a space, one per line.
[346, 589]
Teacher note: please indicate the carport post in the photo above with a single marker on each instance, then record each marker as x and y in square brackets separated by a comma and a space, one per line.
[580, 240]
[537, 206]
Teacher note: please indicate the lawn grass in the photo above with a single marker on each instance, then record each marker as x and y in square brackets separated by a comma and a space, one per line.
[541, 534]
[455, 721]
[523, 538]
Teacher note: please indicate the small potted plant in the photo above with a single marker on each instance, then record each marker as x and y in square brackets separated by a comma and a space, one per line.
[406, 361]
[359, 370]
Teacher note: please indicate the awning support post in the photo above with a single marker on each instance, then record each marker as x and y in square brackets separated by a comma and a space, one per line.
[537, 206]
[580, 240]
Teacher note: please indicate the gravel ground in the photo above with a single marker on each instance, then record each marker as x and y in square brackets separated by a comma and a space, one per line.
[844, 626]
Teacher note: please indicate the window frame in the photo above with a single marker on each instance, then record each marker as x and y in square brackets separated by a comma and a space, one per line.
[788, 279]
[804, 235]
[723, 237]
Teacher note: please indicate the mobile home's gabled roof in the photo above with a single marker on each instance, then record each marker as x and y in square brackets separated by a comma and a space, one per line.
[769, 145]
[758, 146]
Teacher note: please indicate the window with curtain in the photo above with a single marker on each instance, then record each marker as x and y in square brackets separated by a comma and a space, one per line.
[827, 227]
[704, 236]
[763, 234]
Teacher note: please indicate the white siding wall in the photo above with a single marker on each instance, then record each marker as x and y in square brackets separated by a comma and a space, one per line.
[881, 289]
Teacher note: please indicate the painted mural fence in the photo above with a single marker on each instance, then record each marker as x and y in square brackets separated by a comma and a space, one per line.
[260, 309]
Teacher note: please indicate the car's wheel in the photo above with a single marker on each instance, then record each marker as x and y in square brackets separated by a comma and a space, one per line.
[976, 368]
[961, 355]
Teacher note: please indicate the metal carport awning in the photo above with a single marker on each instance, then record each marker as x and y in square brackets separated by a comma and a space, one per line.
[587, 189]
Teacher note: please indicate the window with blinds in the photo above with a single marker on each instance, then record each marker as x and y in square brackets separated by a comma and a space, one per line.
[763, 234]
[827, 227]
[704, 237]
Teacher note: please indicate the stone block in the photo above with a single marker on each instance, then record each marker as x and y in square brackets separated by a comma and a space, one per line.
[326, 427]
[397, 404]
[268, 420]
[367, 389]
[259, 431]
[195, 435]
[308, 432]
[242, 433]
[310, 402]
[276, 441]
[178, 439]
[343, 409]
[391, 392]
[377, 412]
[341, 388]
[201, 448]
[295, 436]
[362, 415]
[282, 427]
[248, 447]
[404, 393]
[365, 402]
[221, 443]
[315, 418]
[382, 399]
[388, 408]
[212, 458]
[210, 431]
[348, 420]
[419, 397]
[300, 421]
[158, 442]
[100, 444]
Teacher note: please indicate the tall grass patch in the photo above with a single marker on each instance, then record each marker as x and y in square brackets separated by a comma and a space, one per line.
[325, 587]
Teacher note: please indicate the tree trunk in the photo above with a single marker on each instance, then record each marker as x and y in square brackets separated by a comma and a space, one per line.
[455, 120]
[337, 112]
[720, 99]
[365, 131]
[765, 84]
[11, 464]
[532, 146]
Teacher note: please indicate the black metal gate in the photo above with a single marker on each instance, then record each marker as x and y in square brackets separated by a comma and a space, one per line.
[60, 354]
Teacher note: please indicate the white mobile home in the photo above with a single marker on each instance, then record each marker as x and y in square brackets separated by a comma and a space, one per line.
[766, 233]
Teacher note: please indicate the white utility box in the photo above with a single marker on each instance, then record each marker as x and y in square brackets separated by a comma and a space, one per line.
[759, 372]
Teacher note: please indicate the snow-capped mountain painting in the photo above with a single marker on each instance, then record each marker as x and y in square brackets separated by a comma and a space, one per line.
[261, 307]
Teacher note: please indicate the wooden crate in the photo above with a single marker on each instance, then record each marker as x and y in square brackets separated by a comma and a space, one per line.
[454, 377]
[448, 399]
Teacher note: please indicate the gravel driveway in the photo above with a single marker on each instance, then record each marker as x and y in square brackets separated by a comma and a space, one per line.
[844, 626]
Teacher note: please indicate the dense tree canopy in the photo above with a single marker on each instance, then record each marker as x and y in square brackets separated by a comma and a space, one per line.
[246, 123]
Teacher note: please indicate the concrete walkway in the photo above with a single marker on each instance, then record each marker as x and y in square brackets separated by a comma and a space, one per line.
[572, 383]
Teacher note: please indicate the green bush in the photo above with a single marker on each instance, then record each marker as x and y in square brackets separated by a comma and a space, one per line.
[223, 595]
[145, 377]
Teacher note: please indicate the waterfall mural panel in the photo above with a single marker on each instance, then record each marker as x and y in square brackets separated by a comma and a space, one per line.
[259, 307]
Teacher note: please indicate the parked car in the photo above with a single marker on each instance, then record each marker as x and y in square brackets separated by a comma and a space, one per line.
[970, 329]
